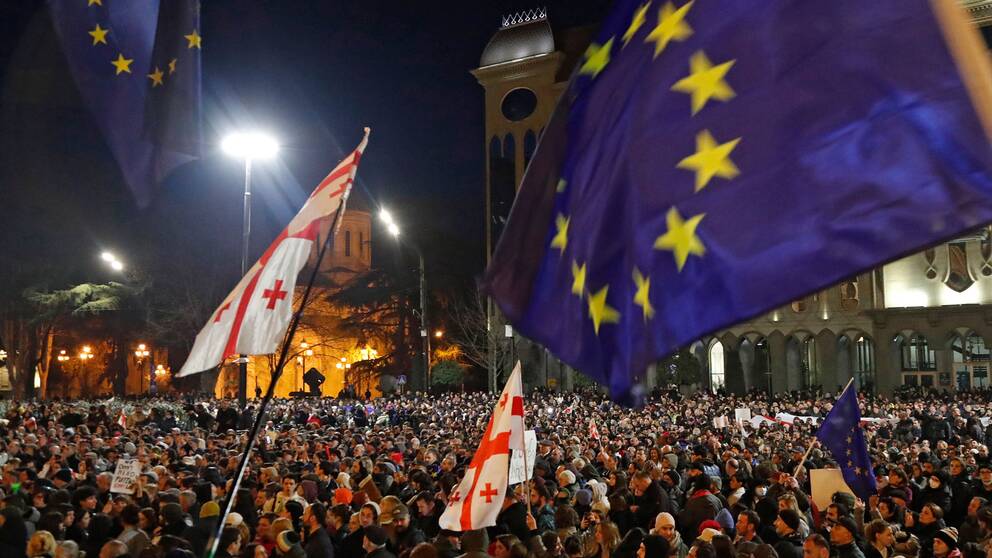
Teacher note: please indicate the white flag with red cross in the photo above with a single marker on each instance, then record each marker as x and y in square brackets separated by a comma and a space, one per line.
[478, 499]
[253, 318]
[593, 430]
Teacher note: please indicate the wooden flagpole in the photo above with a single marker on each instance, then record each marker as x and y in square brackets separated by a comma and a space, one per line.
[283, 356]
[970, 55]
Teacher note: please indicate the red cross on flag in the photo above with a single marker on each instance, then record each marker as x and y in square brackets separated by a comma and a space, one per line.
[253, 318]
[478, 499]
[593, 430]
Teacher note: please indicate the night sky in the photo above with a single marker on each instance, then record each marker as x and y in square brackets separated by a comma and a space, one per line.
[313, 73]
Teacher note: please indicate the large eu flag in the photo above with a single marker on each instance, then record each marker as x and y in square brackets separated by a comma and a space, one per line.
[841, 432]
[137, 66]
[712, 160]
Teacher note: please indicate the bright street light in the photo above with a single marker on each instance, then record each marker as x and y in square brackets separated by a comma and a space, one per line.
[439, 334]
[117, 265]
[393, 229]
[251, 145]
[386, 216]
[247, 146]
[108, 257]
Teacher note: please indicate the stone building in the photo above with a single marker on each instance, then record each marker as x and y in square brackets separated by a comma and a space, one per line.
[922, 320]
[319, 342]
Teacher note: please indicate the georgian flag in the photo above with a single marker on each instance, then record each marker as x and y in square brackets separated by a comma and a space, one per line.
[478, 499]
[253, 318]
[593, 430]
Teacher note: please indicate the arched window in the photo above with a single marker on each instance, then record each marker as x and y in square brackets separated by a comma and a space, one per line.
[717, 371]
[530, 145]
[864, 364]
[808, 353]
[347, 243]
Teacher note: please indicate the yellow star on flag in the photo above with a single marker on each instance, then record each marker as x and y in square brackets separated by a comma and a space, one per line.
[600, 311]
[156, 77]
[562, 183]
[681, 237]
[172, 66]
[636, 22]
[560, 241]
[122, 64]
[99, 34]
[194, 39]
[91, 2]
[643, 294]
[578, 278]
[705, 81]
[597, 57]
[710, 159]
[671, 27]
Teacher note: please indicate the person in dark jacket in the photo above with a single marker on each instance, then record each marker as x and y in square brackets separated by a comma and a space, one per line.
[960, 484]
[375, 543]
[649, 500]
[790, 544]
[404, 536]
[288, 545]
[842, 538]
[13, 534]
[318, 542]
[700, 506]
[205, 527]
[936, 492]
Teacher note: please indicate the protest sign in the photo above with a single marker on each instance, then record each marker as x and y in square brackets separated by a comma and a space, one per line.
[824, 483]
[125, 476]
[517, 459]
[742, 415]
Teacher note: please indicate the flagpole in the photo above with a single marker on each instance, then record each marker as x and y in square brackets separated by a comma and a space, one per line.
[813, 441]
[294, 324]
[523, 424]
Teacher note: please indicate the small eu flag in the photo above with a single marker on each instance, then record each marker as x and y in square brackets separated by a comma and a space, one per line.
[712, 160]
[841, 432]
[137, 66]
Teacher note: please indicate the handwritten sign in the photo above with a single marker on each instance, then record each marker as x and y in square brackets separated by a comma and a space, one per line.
[517, 459]
[125, 475]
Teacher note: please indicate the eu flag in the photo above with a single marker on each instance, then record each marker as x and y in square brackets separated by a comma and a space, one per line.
[841, 432]
[713, 160]
[137, 66]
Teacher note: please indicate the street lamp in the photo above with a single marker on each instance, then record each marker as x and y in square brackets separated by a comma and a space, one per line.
[112, 261]
[439, 334]
[394, 229]
[62, 356]
[160, 373]
[248, 146]
[140, 354]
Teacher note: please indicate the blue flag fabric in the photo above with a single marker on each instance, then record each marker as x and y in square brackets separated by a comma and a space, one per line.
[713, 160]
[841, 432]
[136, 64]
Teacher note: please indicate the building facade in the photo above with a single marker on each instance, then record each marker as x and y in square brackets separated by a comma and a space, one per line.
[920, 321]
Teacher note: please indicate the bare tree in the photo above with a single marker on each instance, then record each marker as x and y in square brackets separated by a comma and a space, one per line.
[481, 337]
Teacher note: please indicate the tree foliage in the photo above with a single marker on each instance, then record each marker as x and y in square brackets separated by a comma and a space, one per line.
[447, 373]
[681, 368]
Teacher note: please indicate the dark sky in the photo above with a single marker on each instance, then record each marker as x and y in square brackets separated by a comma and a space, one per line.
[314, 73]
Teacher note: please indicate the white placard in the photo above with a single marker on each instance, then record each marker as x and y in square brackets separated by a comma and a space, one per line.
[824, 483]
[517, 459]
[742, 415]
[125, 476]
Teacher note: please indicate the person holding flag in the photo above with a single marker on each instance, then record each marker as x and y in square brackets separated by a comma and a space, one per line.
[841, 432]
[478, 499]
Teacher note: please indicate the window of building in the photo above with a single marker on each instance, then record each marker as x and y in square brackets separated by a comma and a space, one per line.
[917, 354]
[717, 370]
[864, 364]
[347, 243]
[811, 371]
[849, 295]
[361, 243]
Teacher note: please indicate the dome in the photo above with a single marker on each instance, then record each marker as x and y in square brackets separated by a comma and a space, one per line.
[522, 35]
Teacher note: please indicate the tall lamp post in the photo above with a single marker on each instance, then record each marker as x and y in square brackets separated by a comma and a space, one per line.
[394, 230]
[248, 146]
[140, 354]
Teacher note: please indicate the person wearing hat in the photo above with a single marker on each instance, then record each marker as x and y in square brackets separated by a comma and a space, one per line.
[288, 545]
[790, 544]
[945, 543]
[374, 543]
[842, 538]
[404, 536]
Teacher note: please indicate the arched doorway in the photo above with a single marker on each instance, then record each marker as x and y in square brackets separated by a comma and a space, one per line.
[801, 362]
[756, 362]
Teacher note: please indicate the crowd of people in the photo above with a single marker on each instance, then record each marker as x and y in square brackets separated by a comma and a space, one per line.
[370, 478]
